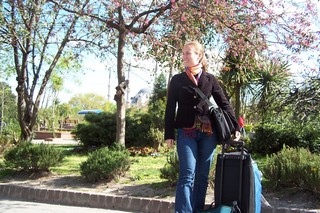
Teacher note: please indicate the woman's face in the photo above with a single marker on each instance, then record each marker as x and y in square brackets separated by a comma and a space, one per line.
[189, 56]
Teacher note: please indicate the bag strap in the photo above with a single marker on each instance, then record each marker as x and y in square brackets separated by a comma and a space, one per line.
[205, 98]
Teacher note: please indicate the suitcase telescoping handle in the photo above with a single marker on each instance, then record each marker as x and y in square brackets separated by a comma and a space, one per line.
[241, 158]
[238, 144]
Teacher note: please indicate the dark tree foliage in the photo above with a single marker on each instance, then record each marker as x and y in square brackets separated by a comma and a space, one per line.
[305, 99]
[156, 107]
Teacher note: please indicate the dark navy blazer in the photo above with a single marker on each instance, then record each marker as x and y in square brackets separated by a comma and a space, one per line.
[183, 103]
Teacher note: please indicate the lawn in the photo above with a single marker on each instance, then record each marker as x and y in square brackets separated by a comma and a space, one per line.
[143, 169]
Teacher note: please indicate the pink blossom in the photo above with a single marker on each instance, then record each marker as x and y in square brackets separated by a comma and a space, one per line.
[183, 18]
[244, 2]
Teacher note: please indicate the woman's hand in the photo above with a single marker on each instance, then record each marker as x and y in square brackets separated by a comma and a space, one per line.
[237, 136]
[170, 143]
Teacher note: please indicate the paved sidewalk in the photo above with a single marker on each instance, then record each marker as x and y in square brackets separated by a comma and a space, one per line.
[84, 199]
[16, 206]
[103, 201]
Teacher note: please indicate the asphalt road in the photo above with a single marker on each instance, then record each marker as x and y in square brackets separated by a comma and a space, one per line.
[14, 206]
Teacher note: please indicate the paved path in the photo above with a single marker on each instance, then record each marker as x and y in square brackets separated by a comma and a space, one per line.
[14, 206]
[56, 141]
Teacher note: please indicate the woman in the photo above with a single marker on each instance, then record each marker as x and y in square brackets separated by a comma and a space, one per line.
[196, 139]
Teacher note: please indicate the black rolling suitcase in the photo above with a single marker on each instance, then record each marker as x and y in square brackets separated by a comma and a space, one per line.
[235, 180]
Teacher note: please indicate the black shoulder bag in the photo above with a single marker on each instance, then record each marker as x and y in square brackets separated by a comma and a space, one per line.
[220, 119]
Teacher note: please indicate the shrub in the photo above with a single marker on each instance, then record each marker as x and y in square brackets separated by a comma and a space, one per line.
[294, 167]
[137, 128]
[248, 128]
[32, 157]
[105, 164]
[99, 131]
[156, 137]
[309, 136]
[270, 138]
[170, 171]
[5, 144]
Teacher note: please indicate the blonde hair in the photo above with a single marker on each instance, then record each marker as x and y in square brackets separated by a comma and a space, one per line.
[199, 49]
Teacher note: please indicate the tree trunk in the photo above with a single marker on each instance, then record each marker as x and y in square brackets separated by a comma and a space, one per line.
[120, 91]
[238, 101]
[23, 103]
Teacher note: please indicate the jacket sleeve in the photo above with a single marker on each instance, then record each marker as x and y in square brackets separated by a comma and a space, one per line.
[170, 112]
[222, 101]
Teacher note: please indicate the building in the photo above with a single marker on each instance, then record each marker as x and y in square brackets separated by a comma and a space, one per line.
[142, 97]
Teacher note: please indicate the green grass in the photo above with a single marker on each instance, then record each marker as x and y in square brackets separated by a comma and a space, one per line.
[143, 169]
[146, 169]
[70, 165]
[71, 162]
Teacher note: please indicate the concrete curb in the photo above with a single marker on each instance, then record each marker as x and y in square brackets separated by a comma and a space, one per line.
[99, 200]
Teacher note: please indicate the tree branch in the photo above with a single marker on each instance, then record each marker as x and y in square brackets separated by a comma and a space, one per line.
[142, 29]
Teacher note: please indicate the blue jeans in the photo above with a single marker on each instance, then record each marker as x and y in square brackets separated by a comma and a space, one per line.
[243, 131]
[195, 153]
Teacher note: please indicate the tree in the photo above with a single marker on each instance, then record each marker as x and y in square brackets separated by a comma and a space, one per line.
[304, 97]
[36, 34]
[269, 85]
[8, 114]
[65, 66]
[243, 26]
[157, 103]
[123, 22]
[250, 30]
[236, 78]
[87, 101]
[244, 31]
